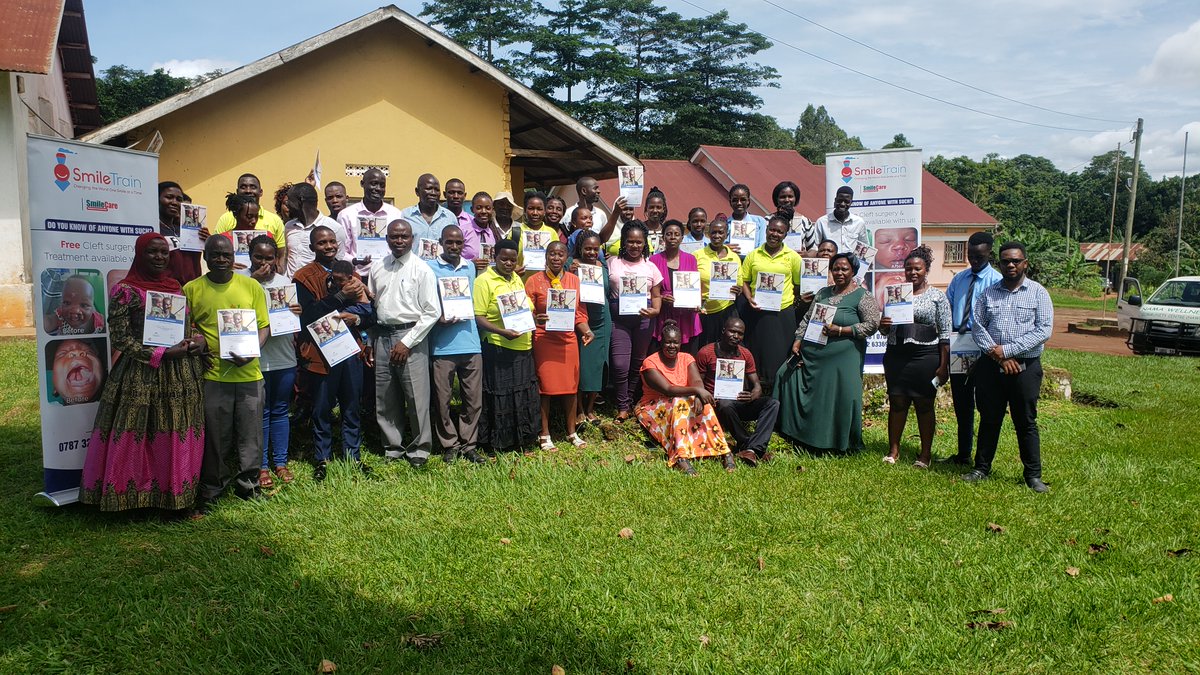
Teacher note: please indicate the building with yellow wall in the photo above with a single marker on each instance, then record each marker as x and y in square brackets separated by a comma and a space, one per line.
[382, 90]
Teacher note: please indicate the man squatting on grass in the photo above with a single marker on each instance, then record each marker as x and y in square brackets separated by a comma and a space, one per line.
[398, 312]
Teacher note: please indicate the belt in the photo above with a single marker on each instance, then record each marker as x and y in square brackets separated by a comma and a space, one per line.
[394, 327]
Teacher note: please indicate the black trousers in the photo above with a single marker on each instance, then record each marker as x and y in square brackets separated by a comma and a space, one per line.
[994, 392]
[962, 387]
[763, 410]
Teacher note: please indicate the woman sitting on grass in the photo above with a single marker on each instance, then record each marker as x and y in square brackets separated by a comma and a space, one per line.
[676, 408]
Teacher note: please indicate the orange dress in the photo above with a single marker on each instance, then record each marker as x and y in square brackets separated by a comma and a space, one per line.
[685, 430]
[555, 354]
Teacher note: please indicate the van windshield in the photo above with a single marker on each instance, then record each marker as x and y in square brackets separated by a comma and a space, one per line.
[1177, 293]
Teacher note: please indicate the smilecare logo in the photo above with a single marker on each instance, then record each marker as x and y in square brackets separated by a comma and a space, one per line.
[847, 172]
[62, 172]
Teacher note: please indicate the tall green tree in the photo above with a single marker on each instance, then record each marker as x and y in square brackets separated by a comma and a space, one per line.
[484, 27]
[818, 133]
[122, 90]
[898, 141]
[566, 50]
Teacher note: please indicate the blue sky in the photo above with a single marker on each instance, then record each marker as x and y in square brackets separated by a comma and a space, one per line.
[1110, 59]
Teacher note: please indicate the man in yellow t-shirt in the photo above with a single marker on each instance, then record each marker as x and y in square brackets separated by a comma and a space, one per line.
[233, 386]
[268, 222]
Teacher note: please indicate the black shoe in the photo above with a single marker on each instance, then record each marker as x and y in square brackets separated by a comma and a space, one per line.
[974, 476]
[366, 470]
[473, 457]
[728, 463]
[1037, 485]
[319, 472]
[202, 509]
[417, 462]
[256, 495]
[449, 456]
[965, 460]
[685, 466]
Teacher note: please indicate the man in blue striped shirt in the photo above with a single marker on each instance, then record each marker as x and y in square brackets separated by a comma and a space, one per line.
[964, 290]
[1013, 320]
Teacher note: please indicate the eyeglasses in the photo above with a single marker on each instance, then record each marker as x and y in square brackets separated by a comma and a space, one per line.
[1012, 261]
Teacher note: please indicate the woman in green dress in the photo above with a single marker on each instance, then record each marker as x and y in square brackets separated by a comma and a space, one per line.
[820, 388]
[593, 357]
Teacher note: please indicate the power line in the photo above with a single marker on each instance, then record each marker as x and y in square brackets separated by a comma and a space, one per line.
[937, 74]
[907, 89]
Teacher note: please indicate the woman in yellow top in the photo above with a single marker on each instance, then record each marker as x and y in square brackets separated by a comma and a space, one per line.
[716, 310]
[510, 389]
[535, 222]
[770, 279]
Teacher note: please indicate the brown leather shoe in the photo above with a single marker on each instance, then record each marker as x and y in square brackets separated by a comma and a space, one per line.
[728, 463]
[264, 478]
[748, 457]
[284, 474]
[766, 457]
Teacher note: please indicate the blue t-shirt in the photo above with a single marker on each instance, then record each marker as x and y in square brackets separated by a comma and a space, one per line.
[460, 337]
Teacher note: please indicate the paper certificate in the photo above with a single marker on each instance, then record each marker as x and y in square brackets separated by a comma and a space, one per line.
[429, 249]
[632, 181]
[283, 321]
[534, 251]
[456, 298]
[634, 295]
[514, 312]
[821, 315]
[192, 218]
[768, 293]
[485, 252]
[653, 243]
[560, 306]
[685, 287]
[866, 257]
[591, 284]
[730, 379]
[814, 275]
[691, 246]
[241, 248]
[333, 338]
[723, 277]
[371, 238]
[794, 239]
[898, 303]
[164, 324]
[744, 235]
[964, 353]
[237, 333]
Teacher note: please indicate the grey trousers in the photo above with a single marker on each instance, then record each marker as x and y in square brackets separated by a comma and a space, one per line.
[402, 399]
[457, 431]
[233, 438]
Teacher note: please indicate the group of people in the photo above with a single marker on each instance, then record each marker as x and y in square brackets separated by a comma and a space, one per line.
[754, 356]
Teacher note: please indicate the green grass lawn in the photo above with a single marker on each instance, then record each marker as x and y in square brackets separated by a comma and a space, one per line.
[1075, 300]
[804, 565]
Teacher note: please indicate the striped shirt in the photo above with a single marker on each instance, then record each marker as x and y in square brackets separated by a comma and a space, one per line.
[1020, 321]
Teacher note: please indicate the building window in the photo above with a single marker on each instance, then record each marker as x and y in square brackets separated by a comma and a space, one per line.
[956, 253]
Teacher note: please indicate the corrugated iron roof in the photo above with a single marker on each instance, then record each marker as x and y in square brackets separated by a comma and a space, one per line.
[1105, 252]
[28, 35]
[685, 185]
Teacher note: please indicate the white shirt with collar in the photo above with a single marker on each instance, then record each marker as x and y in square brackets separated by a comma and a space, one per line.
[348, 219]
[845, 232]
[299, 237]
[405, 291]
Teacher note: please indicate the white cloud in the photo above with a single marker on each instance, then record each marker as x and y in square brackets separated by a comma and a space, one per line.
[1177, 61]
[1162, 149]
[194, 67]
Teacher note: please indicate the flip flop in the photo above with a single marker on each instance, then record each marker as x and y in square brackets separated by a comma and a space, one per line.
[920, 465]
[888, 459]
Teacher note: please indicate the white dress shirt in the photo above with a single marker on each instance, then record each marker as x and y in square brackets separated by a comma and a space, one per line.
[844, 232]
[405, 291]
[348, 219]
[299, 237]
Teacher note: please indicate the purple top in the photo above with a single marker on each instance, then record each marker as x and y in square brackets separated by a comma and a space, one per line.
[688, 319]
[472, 236]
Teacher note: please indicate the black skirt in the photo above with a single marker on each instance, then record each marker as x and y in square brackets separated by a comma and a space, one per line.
[511, 417]
[909, 369]
[769, 337]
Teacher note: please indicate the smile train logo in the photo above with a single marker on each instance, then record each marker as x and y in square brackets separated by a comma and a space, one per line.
[847, 172]
[62, 173]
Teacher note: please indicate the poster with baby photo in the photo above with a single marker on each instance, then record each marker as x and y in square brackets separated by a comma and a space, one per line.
[75, 370]
[73, 301]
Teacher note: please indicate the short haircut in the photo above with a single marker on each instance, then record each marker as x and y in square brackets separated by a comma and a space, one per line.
[845, 190]
[312, 236]
[535, 195]
[264, 240]
[850, 258]
[505, 244]
[739, 186]
[305, 192]
[578, 210]
[449, 228]
[479, 194]
[249, 175]
[981, 238]
[341, 266]
[1010, 245]
[334, 183]
[167, 185]
[827, 241]
[779, 219]
[674, 223]
[457, 180]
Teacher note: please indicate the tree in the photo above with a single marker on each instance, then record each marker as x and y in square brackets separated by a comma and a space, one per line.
[483, 26]
[123, 91]
[898, 141]
[763, 131]
[817, 134]
[567, 50]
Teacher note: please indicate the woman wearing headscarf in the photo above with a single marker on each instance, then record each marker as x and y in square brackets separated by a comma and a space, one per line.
[148, 439]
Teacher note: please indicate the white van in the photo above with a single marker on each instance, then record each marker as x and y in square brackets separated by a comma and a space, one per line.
[1168, 322]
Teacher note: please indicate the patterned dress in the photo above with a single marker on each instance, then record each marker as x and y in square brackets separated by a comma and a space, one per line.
[684, 430]
[148, 440]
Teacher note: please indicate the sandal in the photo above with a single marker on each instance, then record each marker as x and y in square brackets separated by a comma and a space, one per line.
[685, 466]
[577, 441]
[264, 478]
[547, 443]
[920, 465]
[888, 459]
[622, 417]
[728, 463]
[284, 474]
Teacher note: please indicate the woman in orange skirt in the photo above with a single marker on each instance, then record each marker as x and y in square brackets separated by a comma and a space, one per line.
[559, 316]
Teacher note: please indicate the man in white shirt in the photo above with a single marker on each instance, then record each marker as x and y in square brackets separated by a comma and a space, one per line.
[588, 190]
[407, 307]
[302, 200]
[841, 226]
[374, 185]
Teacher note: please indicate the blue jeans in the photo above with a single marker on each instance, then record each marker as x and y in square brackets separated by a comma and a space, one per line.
[277, 397]
[342, 387]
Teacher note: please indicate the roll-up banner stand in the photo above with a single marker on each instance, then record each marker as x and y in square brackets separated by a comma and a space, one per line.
[87, 205]
[887, 194]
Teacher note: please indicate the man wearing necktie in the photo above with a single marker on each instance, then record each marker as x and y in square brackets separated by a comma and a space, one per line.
[964, 289]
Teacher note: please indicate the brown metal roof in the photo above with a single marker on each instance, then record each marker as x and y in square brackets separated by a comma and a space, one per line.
[28, 34]
[1105, 252]
[79, 77]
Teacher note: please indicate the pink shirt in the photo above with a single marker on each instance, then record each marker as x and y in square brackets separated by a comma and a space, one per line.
[619, 267]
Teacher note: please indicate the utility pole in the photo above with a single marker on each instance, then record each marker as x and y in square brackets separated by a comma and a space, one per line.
[1112, 220]
[1068, 227]
[1182, 183]
[1137, 153]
